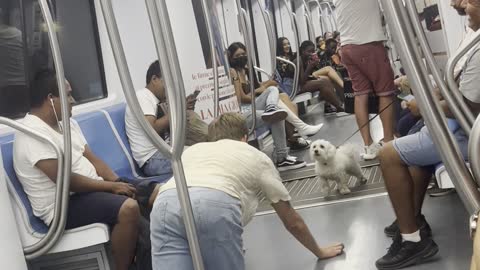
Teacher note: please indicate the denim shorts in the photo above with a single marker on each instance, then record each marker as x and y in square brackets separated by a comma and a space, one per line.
[219, 229]
[419, 150]
[158, 165]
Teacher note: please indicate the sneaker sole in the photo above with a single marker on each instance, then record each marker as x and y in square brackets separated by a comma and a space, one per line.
[430, 251]
[293, 167]
[274, 117]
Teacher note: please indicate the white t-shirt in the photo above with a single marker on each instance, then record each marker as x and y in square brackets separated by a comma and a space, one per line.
[235, 168]
[359, 21]
[471, 76]
[28, 151]
[469, 35]
[142, 148]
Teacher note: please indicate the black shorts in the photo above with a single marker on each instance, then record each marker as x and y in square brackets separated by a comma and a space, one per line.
[93, 207]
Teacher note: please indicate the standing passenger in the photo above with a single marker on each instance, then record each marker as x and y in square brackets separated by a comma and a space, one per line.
[366, 60]
[225, 177]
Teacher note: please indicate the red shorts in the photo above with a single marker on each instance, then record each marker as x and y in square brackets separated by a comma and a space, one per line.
[369, 69]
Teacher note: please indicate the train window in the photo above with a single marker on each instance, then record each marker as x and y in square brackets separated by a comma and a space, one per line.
[25, 49]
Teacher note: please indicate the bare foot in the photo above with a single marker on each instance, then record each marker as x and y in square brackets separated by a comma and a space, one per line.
[331, 251]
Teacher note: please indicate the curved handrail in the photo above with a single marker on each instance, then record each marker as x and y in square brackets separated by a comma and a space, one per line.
[308, 16]
[474, 149]
[270, 37]
[57, 227]
[427, 52]
[320, 14]
[295, 70]
[452, 62]
[261, 70]
[159, 22]
[211, 41]
[293, 21]
[59, 183]
[245, 29]
[329, 15]
[397, 19]
[329, 6]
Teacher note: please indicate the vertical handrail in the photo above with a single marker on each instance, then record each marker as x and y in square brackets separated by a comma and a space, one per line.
[328, 15]
[427, 52]
[273, 45]
[433, 115]
[320, 14]
[211, 41]
[168, 59]
[474, 149]
[308, 16]
[297, 41]
[245, 29]
[329, 6]
[452, 62]
[270, 37]
[57, 227]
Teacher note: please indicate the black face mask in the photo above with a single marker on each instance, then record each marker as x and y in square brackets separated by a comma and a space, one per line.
[239, 62]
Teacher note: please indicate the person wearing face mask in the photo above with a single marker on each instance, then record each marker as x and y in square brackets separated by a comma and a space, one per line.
[267, 101]
[98, 194]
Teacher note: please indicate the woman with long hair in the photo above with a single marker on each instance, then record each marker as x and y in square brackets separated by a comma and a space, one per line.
[237, 58]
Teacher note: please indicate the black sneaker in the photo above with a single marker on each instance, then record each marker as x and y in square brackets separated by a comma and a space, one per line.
[423, 225]
[290, 163]
[329, 109]
[405, 253]
[299, 144]
[273, 114]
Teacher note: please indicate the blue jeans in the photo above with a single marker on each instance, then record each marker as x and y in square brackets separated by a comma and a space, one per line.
[219, 228]
[268, 97]
[157, 165]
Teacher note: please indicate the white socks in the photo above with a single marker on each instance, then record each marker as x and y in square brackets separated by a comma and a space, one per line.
[412, 237]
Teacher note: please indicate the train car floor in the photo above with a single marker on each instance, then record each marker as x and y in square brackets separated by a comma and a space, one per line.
[359, 225]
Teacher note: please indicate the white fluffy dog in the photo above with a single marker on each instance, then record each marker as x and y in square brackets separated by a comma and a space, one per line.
[335, 164]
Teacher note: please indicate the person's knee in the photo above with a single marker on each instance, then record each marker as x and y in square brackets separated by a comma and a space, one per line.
[387, 154]
[129, 212]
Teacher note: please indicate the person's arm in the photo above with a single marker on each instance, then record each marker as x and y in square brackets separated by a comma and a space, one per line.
[237, 84]
[103, 170]
[159, 125]
[80, 183]
[294, 223]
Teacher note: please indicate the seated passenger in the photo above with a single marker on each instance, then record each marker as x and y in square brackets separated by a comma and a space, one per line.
[285, 72]
[224, 177]
[320, 43]
[149, 159]
[98, 197]
[407, 165]
[309, 83]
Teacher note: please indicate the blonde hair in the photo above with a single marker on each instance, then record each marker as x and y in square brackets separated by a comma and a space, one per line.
[227, 126]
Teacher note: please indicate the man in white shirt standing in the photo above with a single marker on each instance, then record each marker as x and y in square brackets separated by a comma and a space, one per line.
[366, 59]
[98, 197]
[147, 156]
[224, 177]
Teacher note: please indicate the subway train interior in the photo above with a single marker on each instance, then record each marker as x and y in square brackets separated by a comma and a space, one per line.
[104, 48]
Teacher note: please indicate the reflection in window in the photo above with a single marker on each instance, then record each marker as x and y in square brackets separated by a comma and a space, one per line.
[25, 49]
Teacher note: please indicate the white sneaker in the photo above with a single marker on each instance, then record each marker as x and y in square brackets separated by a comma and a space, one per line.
[308, 130]
[371, 151]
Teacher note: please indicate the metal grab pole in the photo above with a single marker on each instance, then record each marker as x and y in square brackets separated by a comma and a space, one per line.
[261, 70]
[328, 15]
[295, 33]
[332, 16]
[245, 29]
[402, 31]
[427, 52]
[452, 62]
[270, 37]
[166, 49]
[57, 226]
[308, 15]
[474, 149]
[59, 182]
[273, 45]
[176, 101]
[211, 41]
[295, 70]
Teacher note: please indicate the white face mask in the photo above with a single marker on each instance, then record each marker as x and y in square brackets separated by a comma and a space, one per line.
[56, 116]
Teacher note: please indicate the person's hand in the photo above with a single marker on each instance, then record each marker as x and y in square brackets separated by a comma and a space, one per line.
[413, 107]
[125, 189]
[313, 63]
[271, 83]
[191, 101]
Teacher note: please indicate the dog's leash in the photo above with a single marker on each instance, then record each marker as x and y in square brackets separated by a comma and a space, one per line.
[368, 122]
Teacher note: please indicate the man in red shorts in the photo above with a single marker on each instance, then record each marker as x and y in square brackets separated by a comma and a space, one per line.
[367, 63]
